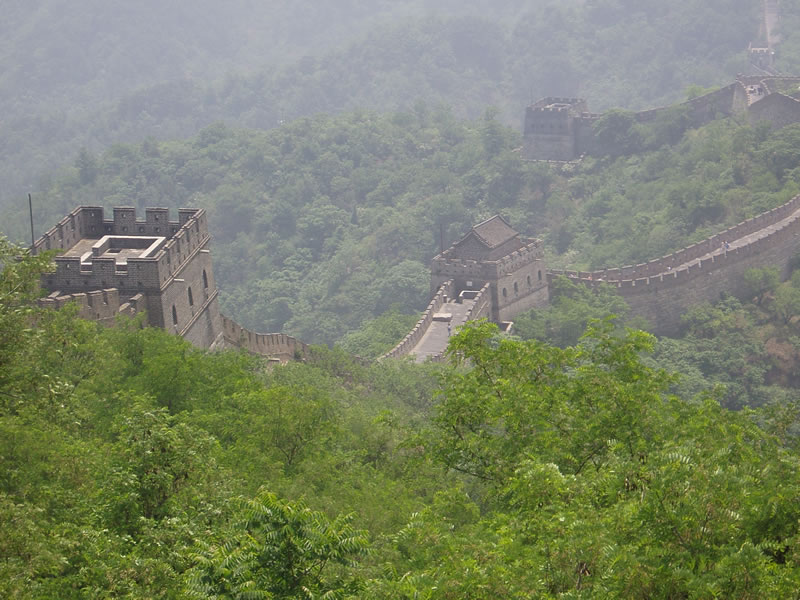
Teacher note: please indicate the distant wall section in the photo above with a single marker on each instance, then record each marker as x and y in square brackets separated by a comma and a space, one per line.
[562, 129]
[663, 289]
[273, 345]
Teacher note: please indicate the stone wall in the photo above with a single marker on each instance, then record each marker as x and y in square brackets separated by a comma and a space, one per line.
[173, 282]
[692, 252]
[102, 306]
[661, 290]
[149, 274]
[566, 132]
[273, 345]
[521, 285]
[549, 129]
[777, 109]
[461, 272]
[482, 309]
[445, 292]
[702, 109]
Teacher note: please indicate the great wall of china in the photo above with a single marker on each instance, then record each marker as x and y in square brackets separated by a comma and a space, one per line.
[124, 266]
[660, 290]
[563, 129]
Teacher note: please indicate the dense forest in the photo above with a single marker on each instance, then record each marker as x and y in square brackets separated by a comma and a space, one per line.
[328, 221]
[101, 73]
[577, 457]
[136, 466]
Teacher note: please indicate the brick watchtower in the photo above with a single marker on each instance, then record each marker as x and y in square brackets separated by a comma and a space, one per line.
[124, 265]
[553, 129]
[493, 253]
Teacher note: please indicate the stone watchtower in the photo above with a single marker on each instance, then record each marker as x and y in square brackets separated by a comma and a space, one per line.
[493, 253]
[125, 265]
[554, 129]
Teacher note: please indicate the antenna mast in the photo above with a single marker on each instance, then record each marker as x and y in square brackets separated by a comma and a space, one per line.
[30, 208]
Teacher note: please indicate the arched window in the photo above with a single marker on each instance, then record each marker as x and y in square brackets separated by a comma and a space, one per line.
[516, 288]
[540, 275]
[529, 281]
[174, 315]
[505, 292]
[205, 280]
[191, 300]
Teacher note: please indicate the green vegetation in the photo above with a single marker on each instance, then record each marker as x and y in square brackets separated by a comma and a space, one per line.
[576, 459]
[137, 467]
[327, 223]
[94, 75]
[572, 307]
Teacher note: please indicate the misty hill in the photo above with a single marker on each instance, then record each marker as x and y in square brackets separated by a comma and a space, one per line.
[328, 221]
[136, 466]
[96, 75]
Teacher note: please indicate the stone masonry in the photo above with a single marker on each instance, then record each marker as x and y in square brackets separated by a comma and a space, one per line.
[125, 266]
[561, 129]
[493, 253]
[128, 266]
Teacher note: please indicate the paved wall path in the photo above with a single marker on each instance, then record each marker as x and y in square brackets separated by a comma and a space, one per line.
[434, 342]
[745, 239]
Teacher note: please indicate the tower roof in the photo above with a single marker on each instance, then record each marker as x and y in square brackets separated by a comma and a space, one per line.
[490, 240]
[494, 232]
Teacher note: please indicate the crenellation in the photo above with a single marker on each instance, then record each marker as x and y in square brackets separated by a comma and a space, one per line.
[141, 260]
[715, 271]
[560, 129]
[445, 290]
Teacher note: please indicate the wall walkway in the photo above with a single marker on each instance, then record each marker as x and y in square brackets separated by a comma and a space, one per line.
[661, 290]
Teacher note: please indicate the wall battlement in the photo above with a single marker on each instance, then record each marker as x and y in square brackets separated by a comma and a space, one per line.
[125, 265]
[443, 293]
[89, 222]
[100, 305]
[669, 262]
[560, 129]
[662, 289]
[279, 346]
[155, 265]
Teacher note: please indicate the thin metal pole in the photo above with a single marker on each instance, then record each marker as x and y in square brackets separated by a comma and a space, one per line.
[30, 207]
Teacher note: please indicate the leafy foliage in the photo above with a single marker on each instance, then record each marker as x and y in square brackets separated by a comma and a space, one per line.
[278, 550]
[148, 70]
[533, 471]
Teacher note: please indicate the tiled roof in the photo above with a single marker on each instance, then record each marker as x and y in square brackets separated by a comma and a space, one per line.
[494, 231]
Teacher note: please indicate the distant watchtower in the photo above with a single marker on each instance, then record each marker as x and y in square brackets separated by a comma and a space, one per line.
[124, 265]
[554, 129]
[493, 253]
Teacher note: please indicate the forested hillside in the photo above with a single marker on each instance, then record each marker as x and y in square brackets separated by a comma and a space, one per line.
[326, 222]
[134, 466]
[93, 74]
[330, 143]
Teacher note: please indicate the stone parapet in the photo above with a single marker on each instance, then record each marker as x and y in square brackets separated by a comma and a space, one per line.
[272, 345]
[482, 309]
[76, 274]
[670, 262]
[102, 306]
[487, 269]
[661, 290]
[409, 342]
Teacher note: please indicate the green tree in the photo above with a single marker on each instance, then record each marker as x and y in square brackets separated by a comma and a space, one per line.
[617, 133]
[758, 282]
[159, 457]
[572, 306]
[278, 549]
